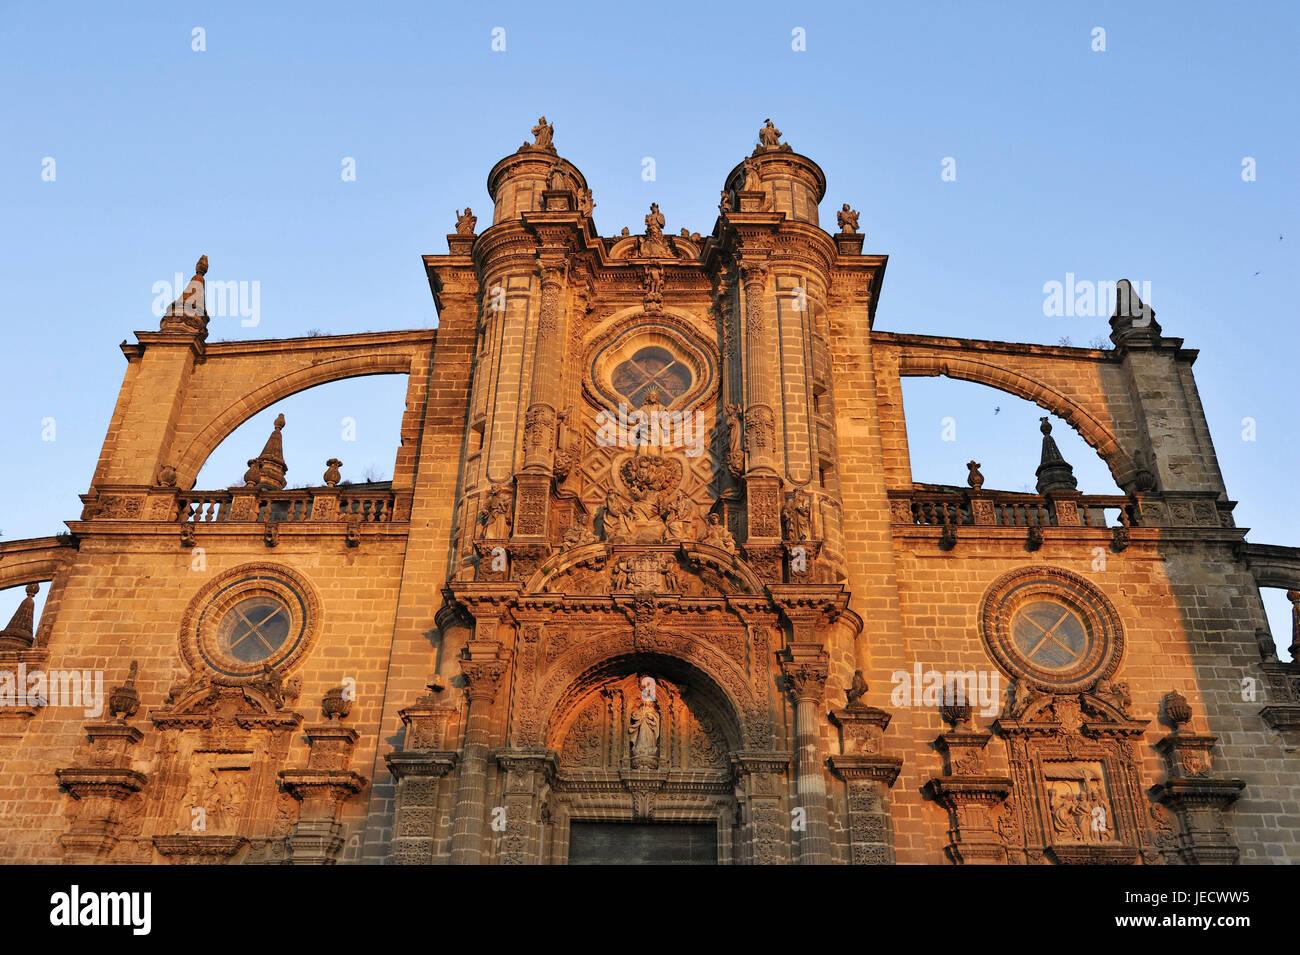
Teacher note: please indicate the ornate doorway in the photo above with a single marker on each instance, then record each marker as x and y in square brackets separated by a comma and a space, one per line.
[644, 770]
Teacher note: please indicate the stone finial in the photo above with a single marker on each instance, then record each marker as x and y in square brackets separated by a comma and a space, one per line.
[1133, 320]
[335, 705]
[252, 474]
[848, 219]
[465, 222]
[1054, 473]
[124, 701]
[20, 634]
[189, 312]
[167, 476]
[270, 463]
[332, 474]
[975, 479]
[856, 691]
[1177, 709]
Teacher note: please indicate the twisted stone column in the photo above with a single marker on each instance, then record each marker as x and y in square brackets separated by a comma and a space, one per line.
[805, 669]
[483, 670]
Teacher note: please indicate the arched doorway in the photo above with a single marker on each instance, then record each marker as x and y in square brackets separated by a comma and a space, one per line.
[644, 775]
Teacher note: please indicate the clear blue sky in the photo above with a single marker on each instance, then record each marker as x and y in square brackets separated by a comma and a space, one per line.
[1125, 162]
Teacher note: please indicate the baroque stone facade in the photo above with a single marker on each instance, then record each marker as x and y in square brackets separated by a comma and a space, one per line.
[652, 562]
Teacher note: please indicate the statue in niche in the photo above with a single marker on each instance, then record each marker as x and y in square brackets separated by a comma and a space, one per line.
[848, 219]
[495, 516]
[716, 534]
[643, 732]
[557, 181]
[735, 448]
[752, 182]
[465, 222]
[796, 514]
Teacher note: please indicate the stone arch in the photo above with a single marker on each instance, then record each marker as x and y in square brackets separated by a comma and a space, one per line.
[32, 567]
[578, 669]
[220, 426]
[1089, 427]
[667, 666]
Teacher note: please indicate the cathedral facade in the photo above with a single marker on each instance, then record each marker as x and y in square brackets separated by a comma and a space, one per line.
[652, 581]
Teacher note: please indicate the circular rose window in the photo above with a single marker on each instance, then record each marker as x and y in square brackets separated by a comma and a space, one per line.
[253, 629]
[1052, 627]
[248, 619]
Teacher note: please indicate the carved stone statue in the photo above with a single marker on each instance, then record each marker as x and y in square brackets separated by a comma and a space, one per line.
[557, 181]
[716, 534]
[796, 514]
[543, 135]
[848, 219]
[735, 447]
[577, 534]
[465, 222]
[752, 182]
[585, 203]
[653, 244]
[643, 732]
[769, 137]
[652, 284]
[495, 516]
[654, 432]
[655, 222]
[724, 206]
[679, 516]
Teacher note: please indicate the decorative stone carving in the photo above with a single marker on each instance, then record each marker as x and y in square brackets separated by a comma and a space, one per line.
[847, 219]
[796, 517]
[332, 474]
[653, 245]
[975, 479]
[1196, 797]
[465, 222]
[495, 517]
[652, 285]
[189, 312]
[543, 137]
[769, 137]
[270, 466]
[643, 733]
[717, 535]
